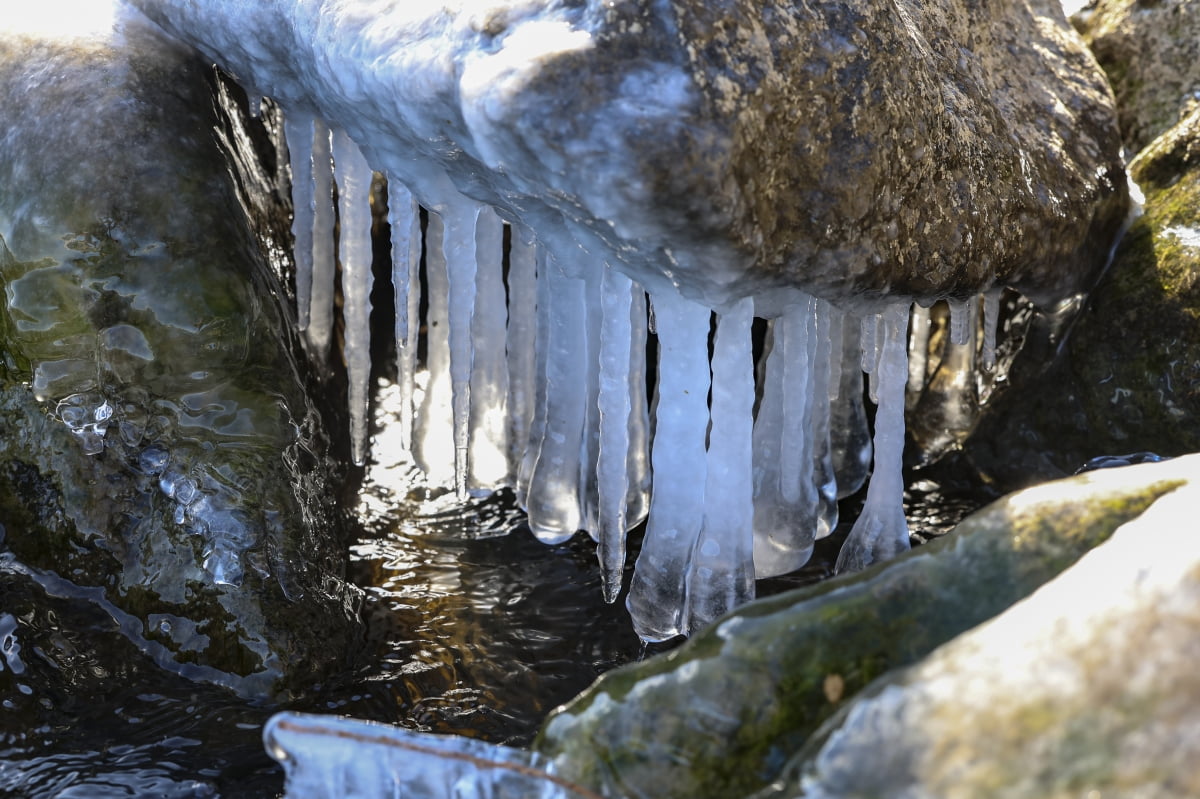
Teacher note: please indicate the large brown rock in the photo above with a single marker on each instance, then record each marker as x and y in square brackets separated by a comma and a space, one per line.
[854, 147]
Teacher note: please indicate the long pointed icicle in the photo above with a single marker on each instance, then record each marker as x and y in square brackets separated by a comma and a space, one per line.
[522, 344]
[299, 132]
[320, 320]
[488, 423]
[433, 439]
[881, 531]
[553, 503]
[404, 218]
[354, 246]
[616, 411]
[589, 453]
[541, 362]
[721, 576]
[824, 475]
[657, 591]
[459, 246]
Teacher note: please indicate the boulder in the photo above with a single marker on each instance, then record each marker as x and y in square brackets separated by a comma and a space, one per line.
[844, 148]
[158, 443]
[1086, 688]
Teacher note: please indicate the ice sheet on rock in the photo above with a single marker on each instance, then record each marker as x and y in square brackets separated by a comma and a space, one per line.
[553, 500]
[488, 422]
[299, 132]
[881, 530]
[657, 592]
[354, 249]
[404, 219]
[433, 437]
[320, 320]
[326, 757]
[785, 496]
[721, 571]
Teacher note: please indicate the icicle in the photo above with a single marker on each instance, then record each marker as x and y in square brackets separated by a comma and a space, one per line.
[458, 247]
[991, 316]
[320, 322]
[785, 498]
[433, 439]
[850, 435]
[299, 132]
[553, 503]
[961, 313]
[404, 217]
[824, 475]
[589, 499]
[616, 411]
[918, 353]
[354, 247]
[657, 592]
[638, 500]
[522, 343]
[872, 341]
[542, 334]
[721, 576]
[488, 423]
[881, 531]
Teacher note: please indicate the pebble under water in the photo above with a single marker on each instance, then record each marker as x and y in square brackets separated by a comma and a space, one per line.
[474, 628]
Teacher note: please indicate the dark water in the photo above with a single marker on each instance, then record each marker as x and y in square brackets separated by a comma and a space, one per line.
[475, 628]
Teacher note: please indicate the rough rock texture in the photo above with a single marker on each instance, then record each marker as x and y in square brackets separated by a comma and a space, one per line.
[159, 457]
[1086, 688]
[1124, 377]
[1151, 53]
[845, 148]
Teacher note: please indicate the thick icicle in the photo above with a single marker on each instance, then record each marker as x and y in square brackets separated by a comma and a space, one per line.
[542, 343]
[522, 344]
[553, 503]
[616, 411]
[785, 496]
[354, 249]
[458, 246]
[320, 320]
[991, 317]
[657, 592]
[721, 574]
[881, 531]
[299, 132]
[433, 439]
[488, 423]
[404, 217]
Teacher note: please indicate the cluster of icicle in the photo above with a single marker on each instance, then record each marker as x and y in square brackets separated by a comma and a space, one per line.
[536, 379]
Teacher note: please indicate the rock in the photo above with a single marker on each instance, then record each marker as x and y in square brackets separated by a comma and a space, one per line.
[1125, 375]
[158, 445]
[846, 148]
[719, 716]
[1151, 53]
[1086, 688]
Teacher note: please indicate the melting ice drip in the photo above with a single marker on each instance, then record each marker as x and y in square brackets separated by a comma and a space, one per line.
[536, 379]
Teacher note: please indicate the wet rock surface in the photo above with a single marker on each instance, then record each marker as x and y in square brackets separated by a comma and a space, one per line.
[158, 448]
[845, 148]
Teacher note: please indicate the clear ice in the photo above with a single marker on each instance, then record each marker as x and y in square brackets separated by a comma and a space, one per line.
[535, 377]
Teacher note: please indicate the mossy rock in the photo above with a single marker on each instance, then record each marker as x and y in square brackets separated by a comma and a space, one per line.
[720, 716]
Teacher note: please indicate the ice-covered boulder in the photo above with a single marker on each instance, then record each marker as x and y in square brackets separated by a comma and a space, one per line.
[920, 149]
[159, 456]
[1086, 688]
